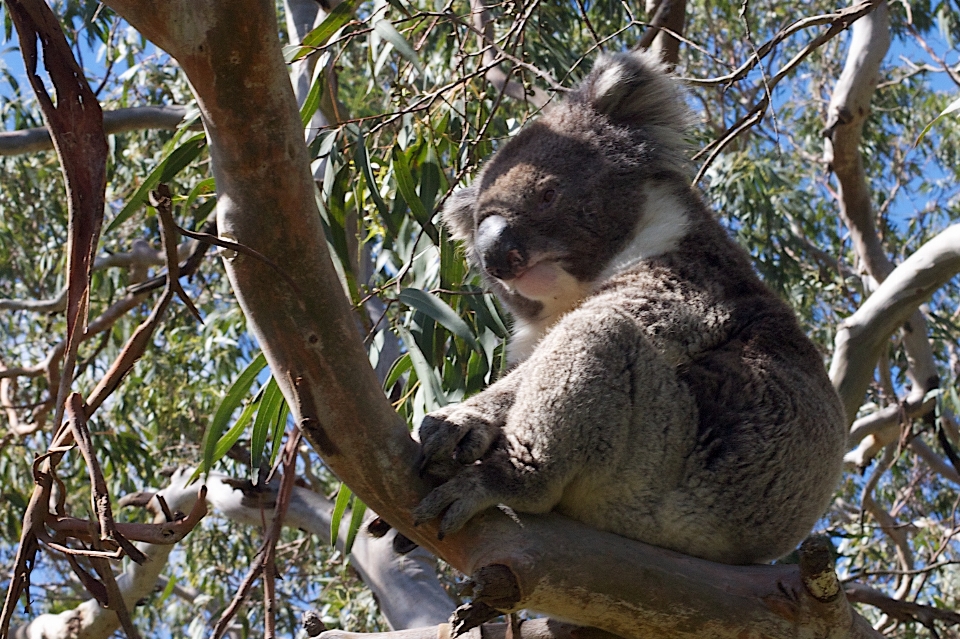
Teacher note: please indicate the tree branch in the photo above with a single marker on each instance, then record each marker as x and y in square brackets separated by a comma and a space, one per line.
[140, 257]
[848, 111]
[483, 23]
[904, 611]
[862, 337]
[118, 121]
[668, 17]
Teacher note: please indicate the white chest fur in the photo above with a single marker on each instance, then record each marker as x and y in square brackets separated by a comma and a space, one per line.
[659, 230]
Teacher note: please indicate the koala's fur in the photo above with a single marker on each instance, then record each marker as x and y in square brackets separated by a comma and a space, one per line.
[661, 391]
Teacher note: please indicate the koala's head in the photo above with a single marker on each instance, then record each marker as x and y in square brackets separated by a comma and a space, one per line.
[556, 204]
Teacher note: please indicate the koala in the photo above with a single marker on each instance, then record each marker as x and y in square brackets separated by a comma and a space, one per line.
[659, 391]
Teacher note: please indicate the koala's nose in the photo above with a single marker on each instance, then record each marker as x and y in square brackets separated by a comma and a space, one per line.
[500, 248]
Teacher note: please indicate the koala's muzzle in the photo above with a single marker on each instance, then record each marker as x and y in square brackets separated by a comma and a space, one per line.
[500, 248]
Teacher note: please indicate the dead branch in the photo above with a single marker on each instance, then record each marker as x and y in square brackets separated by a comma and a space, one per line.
[117, 121]
[265, 563]
[91, 620]
[76, 125]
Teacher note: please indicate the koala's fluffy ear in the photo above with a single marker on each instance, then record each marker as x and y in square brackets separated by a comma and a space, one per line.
[457, 213]
[635, 88]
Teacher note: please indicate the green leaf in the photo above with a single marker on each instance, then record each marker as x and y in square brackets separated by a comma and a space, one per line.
[408, 188]
[438, 310]
[231, 436]
[952, 107]
[401, 366]
[230, 402]
[330, 25]
[425, 373]
[312, 101]
[167, 590]
[279, 428]
[178, 159]
[270, 408]
[389, 33]
[339, 507]
[363, 161]
[356, 519]
[203, 187]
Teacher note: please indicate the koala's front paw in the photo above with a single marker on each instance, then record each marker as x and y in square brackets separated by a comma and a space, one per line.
[458, 500]
[452, 438]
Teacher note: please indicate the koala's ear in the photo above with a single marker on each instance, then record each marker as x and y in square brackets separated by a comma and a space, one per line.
[635, 88]
[457, 213]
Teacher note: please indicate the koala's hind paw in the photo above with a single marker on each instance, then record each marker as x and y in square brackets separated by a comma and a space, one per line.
[452, 438]
[457, 501]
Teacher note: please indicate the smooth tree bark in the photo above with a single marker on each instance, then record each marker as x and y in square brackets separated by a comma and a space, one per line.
[846, 116]
[118, 121]
[230, 52]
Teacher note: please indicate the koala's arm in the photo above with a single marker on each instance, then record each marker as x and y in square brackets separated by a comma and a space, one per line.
[571, 407]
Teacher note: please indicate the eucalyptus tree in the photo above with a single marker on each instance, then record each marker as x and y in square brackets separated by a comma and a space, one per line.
[813, 147]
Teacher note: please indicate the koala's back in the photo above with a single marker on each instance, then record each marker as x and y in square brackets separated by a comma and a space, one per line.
[734, 453]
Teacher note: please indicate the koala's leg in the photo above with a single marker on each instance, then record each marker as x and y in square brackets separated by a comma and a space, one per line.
[459, 435]
[573, 406]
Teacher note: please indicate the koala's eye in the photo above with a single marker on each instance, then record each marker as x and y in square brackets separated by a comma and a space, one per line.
[548, 196]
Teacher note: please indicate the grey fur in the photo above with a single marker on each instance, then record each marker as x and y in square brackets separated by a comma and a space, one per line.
[663, 393]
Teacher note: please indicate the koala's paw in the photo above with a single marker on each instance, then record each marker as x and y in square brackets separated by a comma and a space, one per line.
[452, 438]
[458, 500]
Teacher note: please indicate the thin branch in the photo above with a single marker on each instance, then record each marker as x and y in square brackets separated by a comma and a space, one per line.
[904, 611]
[483, 24]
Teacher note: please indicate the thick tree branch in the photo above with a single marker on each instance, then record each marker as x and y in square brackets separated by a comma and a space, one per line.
[862, 337]
[848, 111]
[667, 18]
[119, 121]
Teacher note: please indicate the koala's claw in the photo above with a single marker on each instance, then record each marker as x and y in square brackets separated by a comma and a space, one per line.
[455, 502]
[453, 438]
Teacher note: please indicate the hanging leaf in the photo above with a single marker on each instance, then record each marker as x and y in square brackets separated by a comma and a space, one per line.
[270, 408]
[438, 310]
[339, 507]
[389, 33]
[356, 520]
[429, 380]
[231, 401]
[951, 108]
